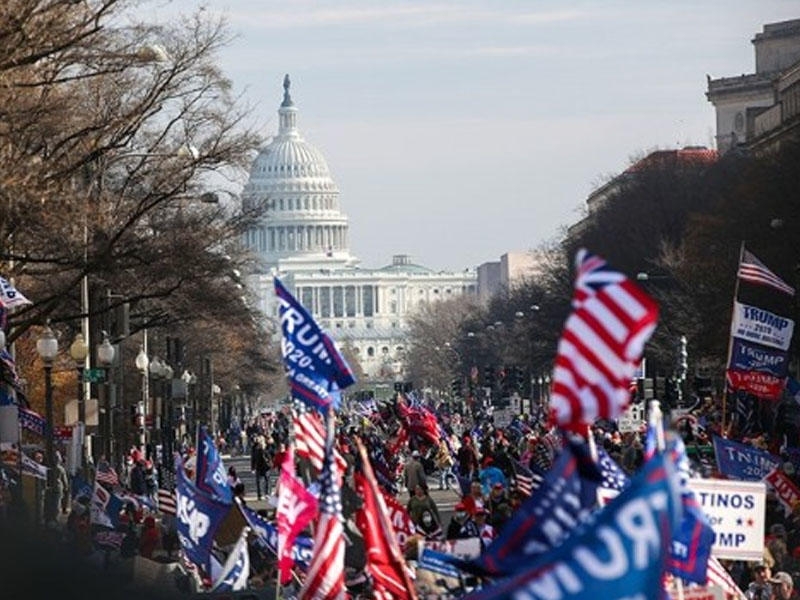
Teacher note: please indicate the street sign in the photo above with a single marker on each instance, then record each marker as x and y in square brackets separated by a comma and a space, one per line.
[94, 375]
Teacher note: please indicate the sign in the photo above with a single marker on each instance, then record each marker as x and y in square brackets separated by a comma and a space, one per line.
[747, 356]
[63, 432]
[502, 417]
[632, 419]
[736, 511]
[94, 375]
[742, 461]
[763, 385]
[761, 326]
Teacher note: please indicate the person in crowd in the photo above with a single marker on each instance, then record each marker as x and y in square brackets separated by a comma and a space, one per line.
[461, 525]
[259, 465]
[632, 454]
[233, 477]
[62, 484]
[420, 502]
[498, 497]
[759, 588]
[414, 473]
[150, 540]
[486, 532]
[467, 458]
[782, 586]
[444, 462]
[138, 479]
[430, 526]
[474, 500]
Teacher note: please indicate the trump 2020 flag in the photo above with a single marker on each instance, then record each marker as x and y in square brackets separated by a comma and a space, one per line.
[601, 344]
[199, 515]
[620, 553]
[10, 296]
[296, 508]
[236, 571]
[316, 369]
[211, 476]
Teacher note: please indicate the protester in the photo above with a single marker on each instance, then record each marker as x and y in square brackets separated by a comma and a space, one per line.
[259, 465]
[151, 537]
[414, 473]
[485, 530]
[467, 458]
[759, 588]
[461, 526]
[444, 462]
[782, 586]
[138, 478]
[430, 526]
[420, 502]
[474, 500]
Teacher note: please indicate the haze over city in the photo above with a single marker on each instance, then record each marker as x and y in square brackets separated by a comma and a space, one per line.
[458, 131]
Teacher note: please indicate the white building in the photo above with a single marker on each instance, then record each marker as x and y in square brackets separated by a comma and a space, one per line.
[304, 240]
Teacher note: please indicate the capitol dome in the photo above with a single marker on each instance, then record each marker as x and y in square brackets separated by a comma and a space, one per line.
[303, 223]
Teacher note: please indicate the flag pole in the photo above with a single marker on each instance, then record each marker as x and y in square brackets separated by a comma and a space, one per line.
[730, 341]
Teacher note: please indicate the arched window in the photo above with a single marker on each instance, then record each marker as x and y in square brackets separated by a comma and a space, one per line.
[370, 351]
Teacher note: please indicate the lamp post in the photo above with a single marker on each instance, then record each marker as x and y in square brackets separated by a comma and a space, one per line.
[78, 350]
[47, 347]
[105, 358]
[155, 373]
[142, 364]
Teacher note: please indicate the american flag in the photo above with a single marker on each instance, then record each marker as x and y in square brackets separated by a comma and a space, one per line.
[717, 575]
[309, 438]
[325, 577]
[106, 474]
[754, 271]
[525, 481]
[601, 344]
[166, 502]
[614, 478]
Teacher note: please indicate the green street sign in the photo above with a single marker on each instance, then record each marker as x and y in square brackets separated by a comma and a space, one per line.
[94, 375]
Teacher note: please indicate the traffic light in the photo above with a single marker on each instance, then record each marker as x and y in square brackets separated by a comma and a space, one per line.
[456, 388]
[519, 379]
[644, 388]
[488, 376]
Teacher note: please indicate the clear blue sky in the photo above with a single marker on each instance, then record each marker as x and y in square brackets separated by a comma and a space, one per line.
[457, 131]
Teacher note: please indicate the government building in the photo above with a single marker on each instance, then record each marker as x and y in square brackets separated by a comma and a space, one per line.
[304, 240]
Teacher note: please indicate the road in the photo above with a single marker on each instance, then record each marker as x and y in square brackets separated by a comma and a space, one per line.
[445, 499]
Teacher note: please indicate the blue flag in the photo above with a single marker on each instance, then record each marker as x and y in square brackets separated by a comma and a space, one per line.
[316, 369]
[266, 537]
[693, 538]
[619, 553]
[741, 461]
[211, 475]
[199, 515]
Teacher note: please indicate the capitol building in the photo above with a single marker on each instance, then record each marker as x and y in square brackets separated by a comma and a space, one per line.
[303, 239]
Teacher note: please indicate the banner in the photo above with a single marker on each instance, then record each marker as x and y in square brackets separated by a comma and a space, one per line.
[236, 571]
[758, 384]
[296, 508]
[199, 515]
[403, 525]
[316, 369]
[736, 510]
[10, 296]
[786, 491]
[211, 476]
[32, 421]
[749, 356]
[267, 538]
[740, 461]
[761, 326]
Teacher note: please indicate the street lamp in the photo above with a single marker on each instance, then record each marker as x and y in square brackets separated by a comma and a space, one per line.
[78, 350]
[2, 339]
[47, 347]
[105, 358]
[142, 364]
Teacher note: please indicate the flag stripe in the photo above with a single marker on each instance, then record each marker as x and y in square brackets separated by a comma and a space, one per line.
[754, 271]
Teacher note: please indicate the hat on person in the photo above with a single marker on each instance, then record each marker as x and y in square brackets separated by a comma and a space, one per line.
[415, 454]
[782, 577]
[760, 566]
[460, 506]
[481, 511]
[498, 486]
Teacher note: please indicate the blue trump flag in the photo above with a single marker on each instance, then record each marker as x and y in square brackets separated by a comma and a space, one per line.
[211, 475]
[619, 553]
[693, 538]
[316, 369]
[236, 571]
[199, 515]
[741, 461]
[266, 538]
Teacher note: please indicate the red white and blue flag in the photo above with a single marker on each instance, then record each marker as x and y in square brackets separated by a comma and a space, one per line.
[754, 271]
[309, 436]
[325, 577]
[296, 508]
[601, 345]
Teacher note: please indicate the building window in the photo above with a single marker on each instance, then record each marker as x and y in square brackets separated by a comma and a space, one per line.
[350, 300]
[367, 300]
[385, 350]
[370, 351]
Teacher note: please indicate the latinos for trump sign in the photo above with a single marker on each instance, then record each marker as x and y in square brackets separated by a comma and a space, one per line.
[762, 385]
[736, 511]
[761, 326]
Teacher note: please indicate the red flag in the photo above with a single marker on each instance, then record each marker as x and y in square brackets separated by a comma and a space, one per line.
[385, 563]
[325, 576]
[600, 347]
[296, 507]
[419, 421]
